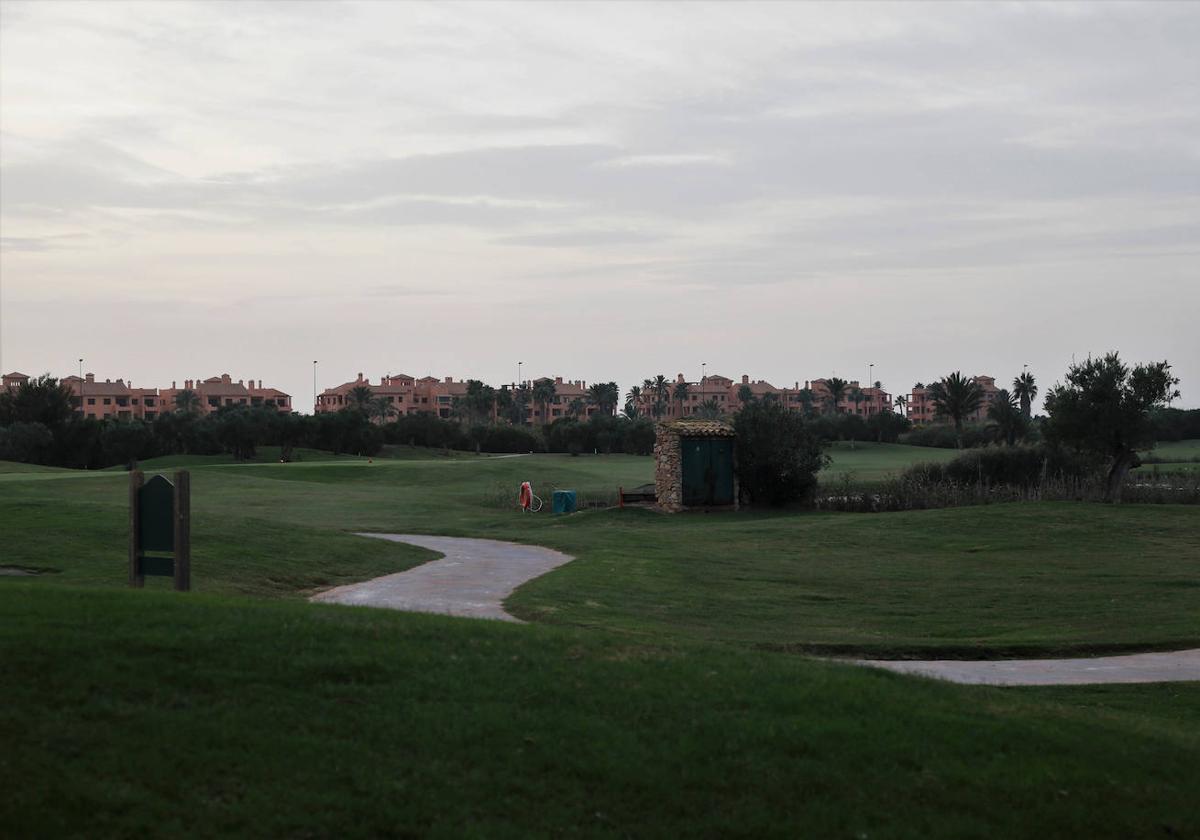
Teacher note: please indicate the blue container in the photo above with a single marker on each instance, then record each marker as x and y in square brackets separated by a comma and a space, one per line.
[564, 501]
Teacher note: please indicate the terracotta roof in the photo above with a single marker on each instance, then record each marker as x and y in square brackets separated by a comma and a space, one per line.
[15, 374]
[698, 428]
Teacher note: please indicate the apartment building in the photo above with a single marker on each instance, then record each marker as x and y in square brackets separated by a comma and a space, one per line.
[565, 395]
[404, 394]
[430, 395]
[726, 394]
[920, 407]
[119, 400]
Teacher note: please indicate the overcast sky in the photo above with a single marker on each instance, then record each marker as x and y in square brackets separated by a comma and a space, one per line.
[602, 191]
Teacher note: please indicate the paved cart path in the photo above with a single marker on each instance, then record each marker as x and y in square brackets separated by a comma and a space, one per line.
[475, 576]
[1175, 666]
[472, 579]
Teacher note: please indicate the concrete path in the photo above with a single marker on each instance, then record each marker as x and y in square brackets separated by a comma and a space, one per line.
[472, 579]
[1175, 666]
[475, 576]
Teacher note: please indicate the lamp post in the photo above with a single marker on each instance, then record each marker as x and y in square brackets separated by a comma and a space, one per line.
[519, 373]
[314, 387]
[81, 387]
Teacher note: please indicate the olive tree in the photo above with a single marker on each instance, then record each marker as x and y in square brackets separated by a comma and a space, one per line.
[1104, 408]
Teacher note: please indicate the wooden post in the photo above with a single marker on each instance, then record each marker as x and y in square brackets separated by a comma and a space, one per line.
[183, 531]
[135, 531]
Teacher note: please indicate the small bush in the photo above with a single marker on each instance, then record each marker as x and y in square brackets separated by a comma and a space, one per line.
[778, 456]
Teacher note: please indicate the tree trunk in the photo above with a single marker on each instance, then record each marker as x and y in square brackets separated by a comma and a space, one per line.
[958, 432]
[1124, 461]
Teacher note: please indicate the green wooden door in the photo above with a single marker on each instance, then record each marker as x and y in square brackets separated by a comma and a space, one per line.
[707, 471]
[695, 452]
[721, 454]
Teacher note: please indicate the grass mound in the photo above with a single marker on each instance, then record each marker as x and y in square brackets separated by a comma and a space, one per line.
[152, 714]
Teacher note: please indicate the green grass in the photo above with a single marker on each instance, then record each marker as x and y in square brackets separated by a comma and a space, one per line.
[154, 714]
[1033, 579]
[867, 462]
[1172, 456]
[657, 693]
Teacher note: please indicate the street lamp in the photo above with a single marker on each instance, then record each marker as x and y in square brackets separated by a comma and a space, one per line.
[870, 375]
[314, 387]
[519, 373]
[81, 387]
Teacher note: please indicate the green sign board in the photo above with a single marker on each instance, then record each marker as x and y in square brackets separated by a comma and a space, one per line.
[156, 515]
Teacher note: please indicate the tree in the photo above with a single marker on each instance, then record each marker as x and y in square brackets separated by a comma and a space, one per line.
[632, 412]
[634, 396]
[681, 395]
[661, 387]
[955, 396]
[127, 442]
[807, 399]
[837, 387]
[1008, 422]
[709, 409]
[605, 396]
[901, 402]
[42, 399]
[745, 395]
[187, 401]
[857, 397]
[1104, 408]
[517, 402]
[381, 409]
[543, 393]
[1025, 389]
[360, 397]
[577, 408]
[778, 456]
[25, 442]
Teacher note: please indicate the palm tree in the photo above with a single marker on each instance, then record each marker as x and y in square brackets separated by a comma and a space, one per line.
[956, 397]
[681, 395]
[710, 409]
[837, 387]
[504, 403]
[745, 395]
[857, 397]
[632, 412]
[1025, 389]
[187, 401]
[604, 395]
[577, 408]
[381, 408]
[662, 392]
[806, 398]
[543, 393]
[902, 404]
[1008, 420]
[634, 398]
[360, 397]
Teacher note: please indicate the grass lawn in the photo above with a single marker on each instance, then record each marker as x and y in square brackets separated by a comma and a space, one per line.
[154, 714]
[1173, 456]
[983, 581]
[867, 462]
[657, 693]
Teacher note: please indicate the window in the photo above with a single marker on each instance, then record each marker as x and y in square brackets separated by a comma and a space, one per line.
[149, 401]
[91, 400]
[107, 401]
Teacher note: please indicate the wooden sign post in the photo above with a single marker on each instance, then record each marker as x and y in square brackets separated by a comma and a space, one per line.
[160, 522]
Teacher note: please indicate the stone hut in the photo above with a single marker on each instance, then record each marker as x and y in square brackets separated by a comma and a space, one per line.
[694, 466]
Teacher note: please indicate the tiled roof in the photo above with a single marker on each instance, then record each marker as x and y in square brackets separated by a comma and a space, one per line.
[698, 428]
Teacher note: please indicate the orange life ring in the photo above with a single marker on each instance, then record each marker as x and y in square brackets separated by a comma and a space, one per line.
[526, 496]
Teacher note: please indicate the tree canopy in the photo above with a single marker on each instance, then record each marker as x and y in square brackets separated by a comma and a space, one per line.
[1104, 408]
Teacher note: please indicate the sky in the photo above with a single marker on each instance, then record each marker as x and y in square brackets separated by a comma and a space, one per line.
[600, 191]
